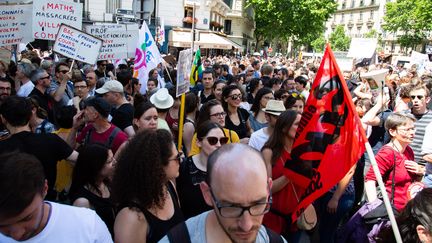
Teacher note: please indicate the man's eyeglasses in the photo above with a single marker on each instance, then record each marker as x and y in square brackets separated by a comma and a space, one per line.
[236, 96]
[236, 211]
[214, 140]
[220, 114]
[64, 71]
[420, 97]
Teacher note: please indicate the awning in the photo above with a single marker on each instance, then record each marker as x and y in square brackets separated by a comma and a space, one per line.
[207, 40]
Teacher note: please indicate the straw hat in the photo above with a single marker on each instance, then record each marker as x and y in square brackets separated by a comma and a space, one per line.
[162, 99]
[274, 107]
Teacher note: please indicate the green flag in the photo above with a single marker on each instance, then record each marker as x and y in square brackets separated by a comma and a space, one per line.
[197, 69]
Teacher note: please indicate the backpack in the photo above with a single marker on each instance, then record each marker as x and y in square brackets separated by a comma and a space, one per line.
[108, 143]
[180, 233]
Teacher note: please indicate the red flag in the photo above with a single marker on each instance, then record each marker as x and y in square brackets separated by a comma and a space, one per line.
[330, 138]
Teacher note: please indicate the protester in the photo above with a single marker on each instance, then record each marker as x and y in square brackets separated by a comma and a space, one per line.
[395, 161]
[145, 116]
[217, 89]
[239, 200]
[42, 81]
[39, 120]
[193, 170]
[91, 182]
[272, 111]
[163, 101]
[5, 89]
[91, 82]
[257, 118]
[48, 148]
[237, 118]
[23, 84]
[173, 114]
[61, 88]
[190, 118]
[296, 102]
[208, 78]
[122, 111]
[301, 83]
[26, 217]
[143, 188]
[252, 89]
[213, 111]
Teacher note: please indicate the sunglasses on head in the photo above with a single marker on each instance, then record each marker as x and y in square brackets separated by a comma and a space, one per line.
[214, 140]
[418, 97]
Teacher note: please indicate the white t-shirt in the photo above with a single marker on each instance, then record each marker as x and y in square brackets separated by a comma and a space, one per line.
[70, 224]
[25, 89]
[258, 139]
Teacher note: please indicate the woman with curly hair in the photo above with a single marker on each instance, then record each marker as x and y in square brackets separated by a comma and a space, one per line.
[142, 188]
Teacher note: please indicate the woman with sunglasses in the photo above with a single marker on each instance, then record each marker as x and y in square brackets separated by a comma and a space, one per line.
[193, 171]
[90, 182]
[237, 118]
[279, 142]
[143, 188]
[257, 118]
[213, 111]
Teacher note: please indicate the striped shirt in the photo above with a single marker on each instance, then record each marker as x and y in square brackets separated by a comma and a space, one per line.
[422, 121]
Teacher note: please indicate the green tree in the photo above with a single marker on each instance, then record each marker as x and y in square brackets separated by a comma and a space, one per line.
[299, 20]
[339, 40]
[319, 44]
[410, 17]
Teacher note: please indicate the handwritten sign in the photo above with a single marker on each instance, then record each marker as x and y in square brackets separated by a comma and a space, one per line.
[49, 15]
[77, 45]
[119, 40]
[15, 24]
[362, 47]
[183, 71]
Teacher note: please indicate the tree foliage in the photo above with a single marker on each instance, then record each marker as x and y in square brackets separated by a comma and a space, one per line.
[339, 40]
[411, 17]
[299, 20]
[319, 44]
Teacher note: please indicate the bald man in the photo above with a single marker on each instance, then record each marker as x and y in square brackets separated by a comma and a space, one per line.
[238, 189]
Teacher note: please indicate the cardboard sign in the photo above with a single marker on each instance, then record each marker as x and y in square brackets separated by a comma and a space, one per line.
[183, 71]
[119, 40]
[362, 47]
[77, 45]
[49, 15]
[15, 24]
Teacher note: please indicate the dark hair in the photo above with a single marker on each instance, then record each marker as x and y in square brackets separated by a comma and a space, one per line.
[154, 81]
[140, 177]
[191, 103]
[141, 108]
[205, 128]
[278, 94]
[209, 70]
[256, 106]
[204, 113]
[57, 67]
[292, 99]
[276, 139]
[226, 92]
[301, 80]
[64, 116]
[253, 85]
[219, 81]
[418, 211]
[284, 71]
[40, 112]
[254, 63]
[16, 110]
[22, 177]
[90, 162]
[272, 82]
[124, 77]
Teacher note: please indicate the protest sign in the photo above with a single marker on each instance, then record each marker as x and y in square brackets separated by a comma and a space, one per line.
[119, 40]
[362, 47]
[77, 45]
[184, 66]
[49, 15]
[15, 24]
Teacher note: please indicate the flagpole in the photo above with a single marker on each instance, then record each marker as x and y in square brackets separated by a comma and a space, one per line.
[183, 96]
[384, 194]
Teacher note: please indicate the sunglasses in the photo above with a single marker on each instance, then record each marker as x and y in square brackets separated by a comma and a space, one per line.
[418, 97]
[47, 77]
[214, 140]
[236, 96]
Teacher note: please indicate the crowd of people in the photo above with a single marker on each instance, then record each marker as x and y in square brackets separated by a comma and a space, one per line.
[92, 137]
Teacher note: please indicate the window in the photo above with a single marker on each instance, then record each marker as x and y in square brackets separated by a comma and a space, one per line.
[352, 3]
[229, 3]
[371, 14]
[343, 4]
[372, 2]
[361, 15]
[361, 3]
[227, 28]
[342, 17]
[351, 16]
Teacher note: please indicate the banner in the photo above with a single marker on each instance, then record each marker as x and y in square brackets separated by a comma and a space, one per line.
[15, 24]
[329, 139]
[119, 40]
[197, 69]
[183, 71]
[147, 57]
[77, 45]
[362, 47]
[49, 15]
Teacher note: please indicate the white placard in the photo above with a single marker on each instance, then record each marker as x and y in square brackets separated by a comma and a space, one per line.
[77, 45]
[362, 47]
[49, 15]
[119, 40]
[184, 66]
[15, 24]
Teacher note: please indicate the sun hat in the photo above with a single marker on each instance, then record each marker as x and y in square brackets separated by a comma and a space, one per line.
[162, 99]
[110, 86]
[274, 107]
